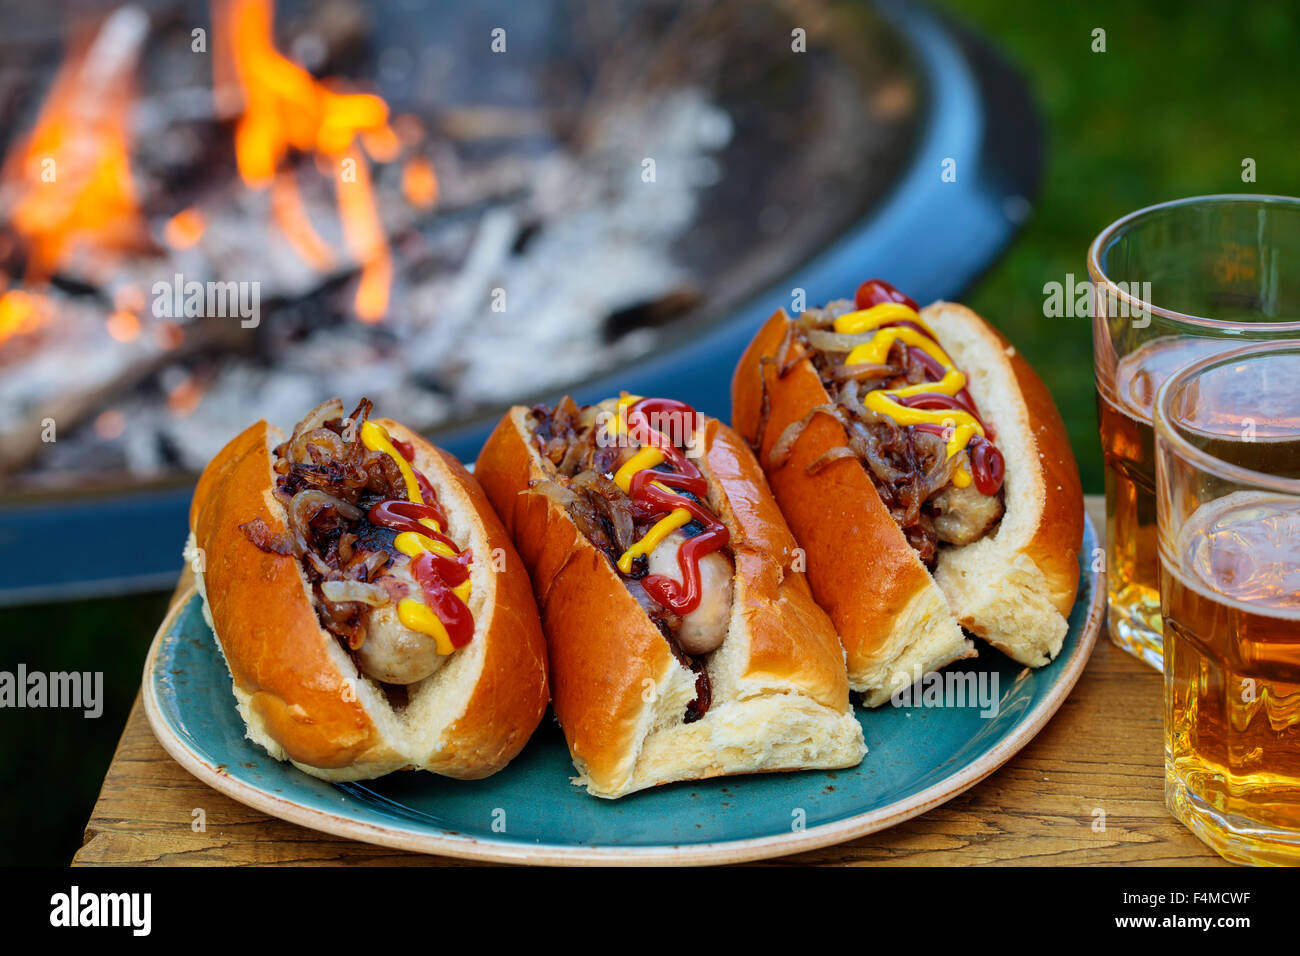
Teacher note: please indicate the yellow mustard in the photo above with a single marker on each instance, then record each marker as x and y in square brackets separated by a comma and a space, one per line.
[412, 613]
[962, 426]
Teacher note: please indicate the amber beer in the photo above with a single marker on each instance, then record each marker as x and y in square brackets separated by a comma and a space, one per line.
[1171, 283]
[1227, 452]
[1124, 420]
[1232, 675]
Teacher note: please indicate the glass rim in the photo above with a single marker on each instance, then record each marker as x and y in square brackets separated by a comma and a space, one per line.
[1111, 233]
[1166, 432]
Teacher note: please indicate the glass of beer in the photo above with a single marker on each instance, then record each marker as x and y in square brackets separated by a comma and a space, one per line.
[1227, 449]
[1170, 284]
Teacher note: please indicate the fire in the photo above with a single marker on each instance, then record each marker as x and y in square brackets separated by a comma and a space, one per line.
[66, 187]
[68, 184]
[419, 182]
[286, 110]
[124, 326]
[184, 229]
[365, 236]
[185, 396]
[21, 312]
[286, 206]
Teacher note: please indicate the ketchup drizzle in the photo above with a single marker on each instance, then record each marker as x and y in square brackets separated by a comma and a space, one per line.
[451, 610]
[936, 371]
[436, 574]
[407, 451]
[405, 516]
[875, 291]
[987, 466]
[652, 502]
[936, 400]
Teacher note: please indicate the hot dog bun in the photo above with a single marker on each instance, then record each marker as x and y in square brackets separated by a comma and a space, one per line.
[780, 693]
[299, 692]
[1013, 588]
[1016, 587]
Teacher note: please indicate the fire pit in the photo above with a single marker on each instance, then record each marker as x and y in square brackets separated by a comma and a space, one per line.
[212, 216]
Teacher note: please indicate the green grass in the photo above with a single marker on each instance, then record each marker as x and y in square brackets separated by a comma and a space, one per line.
[1183, 93]
[53, 761]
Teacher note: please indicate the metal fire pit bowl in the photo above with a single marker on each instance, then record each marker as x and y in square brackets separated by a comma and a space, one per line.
[930, 237]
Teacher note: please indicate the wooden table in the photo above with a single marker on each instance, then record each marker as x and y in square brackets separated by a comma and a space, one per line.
[1101, 753]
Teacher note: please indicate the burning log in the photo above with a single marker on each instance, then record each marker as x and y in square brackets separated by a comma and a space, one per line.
[652, 313]
[68, 186]
[486, 122]
[108, 359]
[479, 251]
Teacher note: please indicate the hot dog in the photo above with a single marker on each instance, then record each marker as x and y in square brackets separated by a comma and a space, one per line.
[683, 639]
[369, 605]
[924, 468]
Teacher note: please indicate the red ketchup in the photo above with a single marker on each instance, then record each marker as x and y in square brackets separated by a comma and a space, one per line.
[936, 371]
[875, 291]
[406, 516]
[652, 502]
[932, 401]
[408, 452]
[451, 610]
[436, 574]
[987, 465]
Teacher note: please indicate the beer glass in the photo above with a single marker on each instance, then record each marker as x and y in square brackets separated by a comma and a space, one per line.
[1170, 284]
[1227, 449]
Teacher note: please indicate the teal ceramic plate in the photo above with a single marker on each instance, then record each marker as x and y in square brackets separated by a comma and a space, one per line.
[919, 757]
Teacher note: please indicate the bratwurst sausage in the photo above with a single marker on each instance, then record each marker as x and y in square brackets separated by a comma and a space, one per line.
[395, 654]
[703, 629]
[392, 652]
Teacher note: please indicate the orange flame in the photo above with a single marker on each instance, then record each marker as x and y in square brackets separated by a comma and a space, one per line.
[66, 186]
[123, 326]
[286, 207]
[68, 183]
[185, 396]
[366, 240]
[184, 229]
[285, 109]
[419, 182]
[21, 312]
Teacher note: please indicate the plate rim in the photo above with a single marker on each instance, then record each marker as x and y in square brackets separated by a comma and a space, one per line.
[749, 849]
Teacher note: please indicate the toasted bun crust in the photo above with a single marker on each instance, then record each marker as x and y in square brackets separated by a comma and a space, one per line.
[1016, 587]
[790, 637]
[889, 613]
[780, 696]
[252, 596]
[895, 621]
[300, 694]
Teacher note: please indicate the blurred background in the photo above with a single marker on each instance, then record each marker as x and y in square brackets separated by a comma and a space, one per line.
[817, 174]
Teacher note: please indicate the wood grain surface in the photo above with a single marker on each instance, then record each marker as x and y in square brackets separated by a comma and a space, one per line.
[1100, 754]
